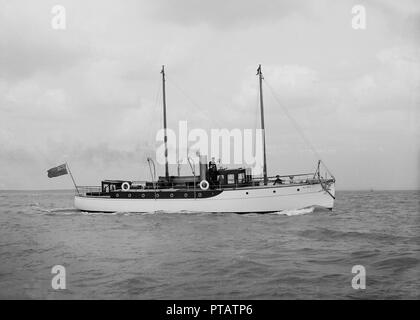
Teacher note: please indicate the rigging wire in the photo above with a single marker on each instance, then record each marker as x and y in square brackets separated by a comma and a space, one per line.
[257, 119]
[155, 117]
[148, 136]
[296, 125]
[158, 95]
[192, 101]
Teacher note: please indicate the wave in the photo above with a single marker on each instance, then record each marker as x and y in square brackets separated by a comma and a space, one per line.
[37, 207]
[321, 233]
[294, 212]
[73, 211]
[52, 211]
[398, 263]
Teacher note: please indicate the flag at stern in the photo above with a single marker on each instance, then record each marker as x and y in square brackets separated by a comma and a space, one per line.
[57, 171]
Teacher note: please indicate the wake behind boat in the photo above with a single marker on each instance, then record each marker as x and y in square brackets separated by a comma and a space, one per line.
[212, 190]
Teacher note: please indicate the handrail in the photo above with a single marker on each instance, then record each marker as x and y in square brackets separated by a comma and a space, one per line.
[193, 171]
[323, 178]
[284, 176]
[150, 160]
[83, 190]
[97, 190]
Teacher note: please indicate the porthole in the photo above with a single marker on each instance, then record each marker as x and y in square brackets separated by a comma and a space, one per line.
[185, 195]
[129, 195]
[157, 195]
[298, 189]
[117, 195]
[171, 195]
[199, 194]
[246, 192]
[274, 191]
[142, 195]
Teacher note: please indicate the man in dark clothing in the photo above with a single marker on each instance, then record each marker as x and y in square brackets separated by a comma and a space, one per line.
[278, 180]
[212, 171]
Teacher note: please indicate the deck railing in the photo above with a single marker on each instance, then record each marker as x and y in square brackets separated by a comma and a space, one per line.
[296, 179]
[91, 190]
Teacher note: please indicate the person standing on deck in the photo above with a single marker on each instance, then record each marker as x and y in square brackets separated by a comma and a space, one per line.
[212, 171]
[278, 180]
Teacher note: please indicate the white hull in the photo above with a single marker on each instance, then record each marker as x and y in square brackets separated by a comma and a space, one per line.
[256, 199]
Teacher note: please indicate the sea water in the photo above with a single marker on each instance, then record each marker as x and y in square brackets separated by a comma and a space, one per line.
[296, 254]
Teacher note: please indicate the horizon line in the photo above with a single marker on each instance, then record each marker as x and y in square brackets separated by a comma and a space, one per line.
[364, 189]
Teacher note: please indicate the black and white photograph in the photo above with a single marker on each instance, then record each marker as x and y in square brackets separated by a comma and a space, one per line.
[193, 150]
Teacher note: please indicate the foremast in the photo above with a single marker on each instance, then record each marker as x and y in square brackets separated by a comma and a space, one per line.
[260, 76]
[165, 139]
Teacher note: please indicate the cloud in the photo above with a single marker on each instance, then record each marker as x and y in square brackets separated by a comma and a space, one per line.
[222, 14]
[90, 94]
[29, 45]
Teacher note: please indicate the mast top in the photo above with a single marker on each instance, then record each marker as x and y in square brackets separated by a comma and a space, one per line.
[259, 71]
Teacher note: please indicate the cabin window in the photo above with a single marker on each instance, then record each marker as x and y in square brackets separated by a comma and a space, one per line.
[222, 180]
[231, 179]
[241, 177]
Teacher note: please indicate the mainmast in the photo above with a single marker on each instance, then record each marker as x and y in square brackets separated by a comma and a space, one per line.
[260, 76]
[165, 139]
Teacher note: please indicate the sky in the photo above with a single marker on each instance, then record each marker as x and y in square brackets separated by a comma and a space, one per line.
[90, 95]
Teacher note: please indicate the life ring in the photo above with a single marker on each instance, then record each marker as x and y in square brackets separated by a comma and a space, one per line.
[125, 186]
[204, 185]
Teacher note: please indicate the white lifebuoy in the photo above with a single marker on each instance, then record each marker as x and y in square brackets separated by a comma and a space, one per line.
[204, 185]
[125, 186]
